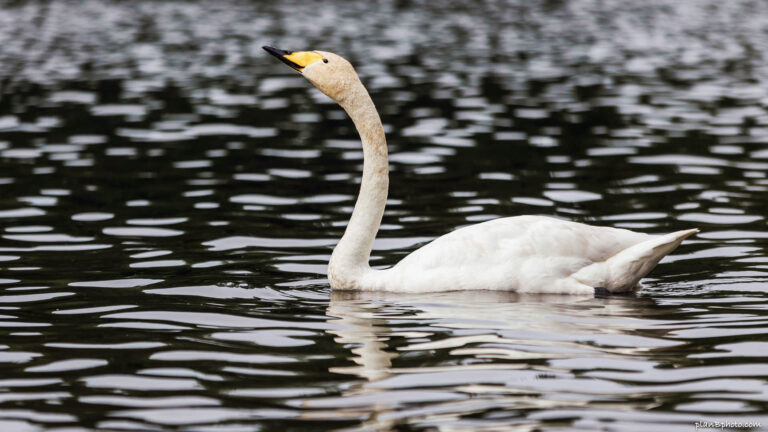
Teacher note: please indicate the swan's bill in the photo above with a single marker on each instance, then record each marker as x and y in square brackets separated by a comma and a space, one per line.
[298, 60]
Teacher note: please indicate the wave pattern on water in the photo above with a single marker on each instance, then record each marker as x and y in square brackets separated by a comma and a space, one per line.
[171, 195]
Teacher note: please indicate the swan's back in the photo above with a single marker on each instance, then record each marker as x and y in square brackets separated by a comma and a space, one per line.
[522, 253]
[523, 237]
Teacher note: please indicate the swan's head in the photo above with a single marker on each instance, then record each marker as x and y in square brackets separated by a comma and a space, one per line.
[330, 73]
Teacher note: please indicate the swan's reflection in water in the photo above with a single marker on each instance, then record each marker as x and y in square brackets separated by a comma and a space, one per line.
[366, 330]
[464, 355]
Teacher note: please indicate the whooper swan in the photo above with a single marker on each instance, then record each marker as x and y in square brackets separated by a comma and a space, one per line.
[522, 253]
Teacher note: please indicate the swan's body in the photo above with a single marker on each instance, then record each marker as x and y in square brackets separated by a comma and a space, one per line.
[523, 253]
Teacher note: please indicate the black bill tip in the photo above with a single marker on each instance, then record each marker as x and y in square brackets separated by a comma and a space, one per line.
[280, 54]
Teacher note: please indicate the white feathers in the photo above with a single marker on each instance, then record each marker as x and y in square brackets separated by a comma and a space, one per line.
[531, 254]
[528, 254]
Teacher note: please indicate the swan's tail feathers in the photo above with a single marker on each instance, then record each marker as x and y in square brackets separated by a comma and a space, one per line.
[623, 271]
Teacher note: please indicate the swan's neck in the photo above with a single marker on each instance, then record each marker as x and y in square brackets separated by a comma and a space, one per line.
[349, 261]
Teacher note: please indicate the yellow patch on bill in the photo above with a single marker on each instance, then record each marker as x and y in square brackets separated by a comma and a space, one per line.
[304, 58]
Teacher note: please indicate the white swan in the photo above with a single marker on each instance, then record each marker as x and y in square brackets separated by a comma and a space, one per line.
[522, 253]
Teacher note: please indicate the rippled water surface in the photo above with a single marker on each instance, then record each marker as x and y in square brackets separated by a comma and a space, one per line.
[170, 195]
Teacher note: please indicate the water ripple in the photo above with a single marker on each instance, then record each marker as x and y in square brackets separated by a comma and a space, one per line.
[171, 196]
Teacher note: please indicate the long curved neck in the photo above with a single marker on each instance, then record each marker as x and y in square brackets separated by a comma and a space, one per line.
[349, 260]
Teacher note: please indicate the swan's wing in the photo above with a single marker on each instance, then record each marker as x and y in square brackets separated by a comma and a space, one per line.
[523, 237]
[526, 253]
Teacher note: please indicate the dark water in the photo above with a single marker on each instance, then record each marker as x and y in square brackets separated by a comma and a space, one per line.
[170, 195]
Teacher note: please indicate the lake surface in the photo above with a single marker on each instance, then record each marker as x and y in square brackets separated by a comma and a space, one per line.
[170, 195]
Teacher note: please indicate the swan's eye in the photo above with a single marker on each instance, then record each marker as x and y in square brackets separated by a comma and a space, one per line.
[325, 60]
